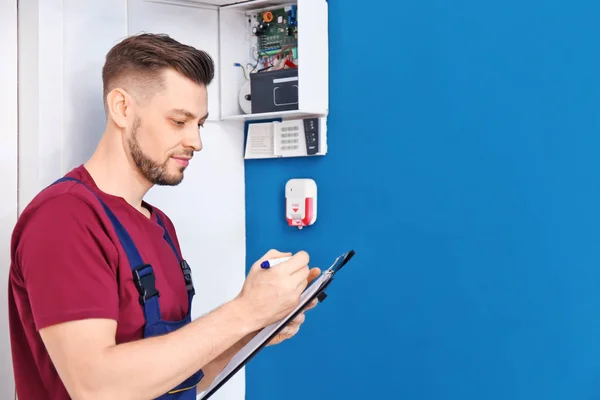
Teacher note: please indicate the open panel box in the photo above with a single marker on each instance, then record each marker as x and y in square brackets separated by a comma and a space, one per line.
[226, 29]
[239, 49]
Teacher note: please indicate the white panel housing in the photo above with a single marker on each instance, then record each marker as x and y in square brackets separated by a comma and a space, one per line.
[237, 41]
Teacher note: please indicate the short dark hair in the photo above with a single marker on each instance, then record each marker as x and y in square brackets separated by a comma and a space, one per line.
[142, 58]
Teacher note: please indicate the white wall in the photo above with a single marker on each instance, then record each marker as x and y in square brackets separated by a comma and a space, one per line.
[8, 166]
[65, 42]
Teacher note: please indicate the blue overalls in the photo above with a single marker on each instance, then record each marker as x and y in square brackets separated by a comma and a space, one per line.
[143, 277]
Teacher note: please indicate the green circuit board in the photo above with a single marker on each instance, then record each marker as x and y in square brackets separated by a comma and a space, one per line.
[276, 29]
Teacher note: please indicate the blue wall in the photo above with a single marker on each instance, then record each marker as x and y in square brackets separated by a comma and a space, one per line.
[464, 168]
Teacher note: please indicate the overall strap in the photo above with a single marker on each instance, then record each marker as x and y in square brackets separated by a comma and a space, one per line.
[143, 275]
[185, 268]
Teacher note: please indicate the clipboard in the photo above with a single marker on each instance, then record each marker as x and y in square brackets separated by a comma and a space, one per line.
[315, 290]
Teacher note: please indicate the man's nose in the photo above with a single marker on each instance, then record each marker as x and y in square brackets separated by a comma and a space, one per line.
[193, 140]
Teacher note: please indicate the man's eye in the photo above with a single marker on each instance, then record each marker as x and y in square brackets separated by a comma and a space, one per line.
[180, 123]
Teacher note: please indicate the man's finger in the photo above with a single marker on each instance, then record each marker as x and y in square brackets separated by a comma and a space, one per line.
[297, 262]
[285, 331]
[312, 304]
[313, 274]
[298, 320]
[301, 276]
[291, 330]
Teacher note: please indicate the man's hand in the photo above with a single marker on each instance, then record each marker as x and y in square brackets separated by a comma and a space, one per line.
[294, 326]
[270, 294]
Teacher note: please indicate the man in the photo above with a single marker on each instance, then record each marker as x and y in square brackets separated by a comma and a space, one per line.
[100, 293]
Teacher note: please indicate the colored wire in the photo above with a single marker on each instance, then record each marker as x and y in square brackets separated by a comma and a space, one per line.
[243, 69]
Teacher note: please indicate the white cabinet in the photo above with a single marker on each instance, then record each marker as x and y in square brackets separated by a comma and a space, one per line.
[238, 45]
[231, 40]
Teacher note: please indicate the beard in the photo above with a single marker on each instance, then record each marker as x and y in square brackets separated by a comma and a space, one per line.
[154, 172]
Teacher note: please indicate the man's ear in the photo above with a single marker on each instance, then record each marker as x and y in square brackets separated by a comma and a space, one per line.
[118, 104]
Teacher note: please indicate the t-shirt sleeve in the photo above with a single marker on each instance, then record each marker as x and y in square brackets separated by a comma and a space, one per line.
[68, 263]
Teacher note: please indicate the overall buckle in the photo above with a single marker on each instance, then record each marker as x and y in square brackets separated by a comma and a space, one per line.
[187, 276]
[145, 282]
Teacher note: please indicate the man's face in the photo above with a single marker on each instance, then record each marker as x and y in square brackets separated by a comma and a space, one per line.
[165, 132]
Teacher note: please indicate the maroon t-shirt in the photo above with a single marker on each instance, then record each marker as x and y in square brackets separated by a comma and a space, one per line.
[67, 264]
